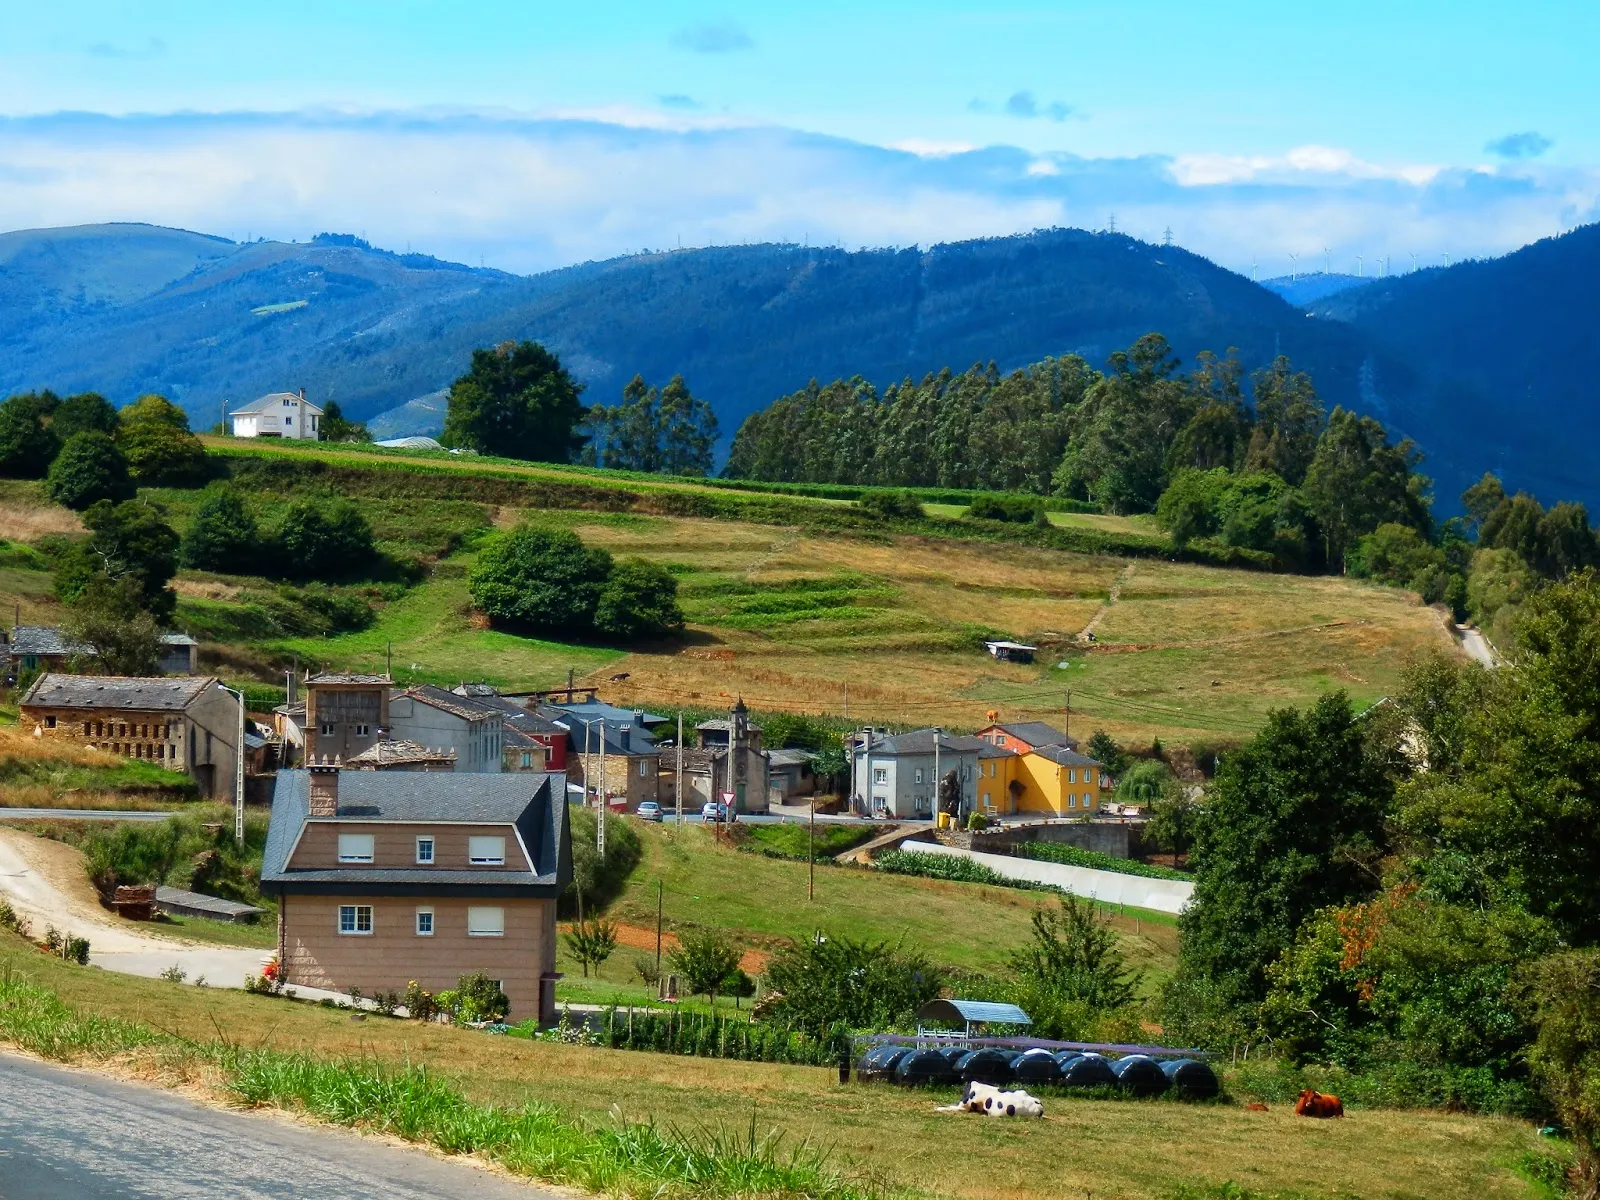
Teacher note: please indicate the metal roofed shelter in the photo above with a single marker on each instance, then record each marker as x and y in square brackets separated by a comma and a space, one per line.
[1011, 651]
[968, 1013]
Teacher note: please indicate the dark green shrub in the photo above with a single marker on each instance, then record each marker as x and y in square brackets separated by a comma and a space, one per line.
[223, 535]
[540, 580]
[27, 446]
[1000, 506]
[831, 980]
[325, 538]
[891, 503]
[639, 600]
[90, 468]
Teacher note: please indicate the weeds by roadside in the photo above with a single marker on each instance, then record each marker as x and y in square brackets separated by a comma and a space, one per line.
[621, 1158]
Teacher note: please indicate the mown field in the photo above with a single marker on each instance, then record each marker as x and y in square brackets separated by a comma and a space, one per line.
[798, 615]
[884, 1138]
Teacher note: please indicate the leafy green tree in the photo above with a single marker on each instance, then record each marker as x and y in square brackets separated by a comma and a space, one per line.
[90, 468]
[540, 580]
[223, 535]
[739, 986]
[1498, 582]
[1401, 557]
[1358, 481]
[891, 503]
[591, 943]
[1073, 958]
[153, 433]
[336, 427]
[131, 541]
[87, 412]
[516, 400]
[669, 430]
[1103, 749]
[831, 979]
[704, 958]
[1144, 781]
[1289, 420]
[325, 538]
[111, 618]
[1173, 816]
[1562, 995]
[1294, 822]
[27, 445]
[1191, 507]
[639, 600]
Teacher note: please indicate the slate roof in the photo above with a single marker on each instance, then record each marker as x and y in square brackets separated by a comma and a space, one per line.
[468, 708]
[178, 639]
[624, 739]
[159, 694]
[339, 677]
[789, 758]
[395, 753]
[1066, 757]
[43, 640]
[529, 800]
[272, 401]
[920, 741]
[723, 725]
[1037, 733]
[227, 909]
[516, 739]
[598, 710]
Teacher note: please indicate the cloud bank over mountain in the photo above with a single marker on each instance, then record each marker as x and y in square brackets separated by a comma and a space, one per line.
[529, 193]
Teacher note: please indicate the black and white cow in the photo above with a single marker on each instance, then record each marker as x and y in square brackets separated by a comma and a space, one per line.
[986, 1098]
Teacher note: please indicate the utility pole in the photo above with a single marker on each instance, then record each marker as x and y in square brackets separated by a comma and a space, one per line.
[600, 821]
[658, 928]
[238, 772]
[934, 807]
[811, 853]
[588, 765]
[1068, 729]
[677, 795]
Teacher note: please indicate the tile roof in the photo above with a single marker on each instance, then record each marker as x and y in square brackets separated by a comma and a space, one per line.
[468, 708]
[394, 753]
[161, 694]
[272, 400]
[531, 800]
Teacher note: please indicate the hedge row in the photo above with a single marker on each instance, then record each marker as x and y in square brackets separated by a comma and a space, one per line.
[702, 1035]
[1073, 856]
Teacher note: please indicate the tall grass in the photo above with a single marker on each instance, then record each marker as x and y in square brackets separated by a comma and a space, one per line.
[622, 1158]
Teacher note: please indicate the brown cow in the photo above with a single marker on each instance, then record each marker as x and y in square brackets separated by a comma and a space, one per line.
[1314, 1104]
[1255, 1106]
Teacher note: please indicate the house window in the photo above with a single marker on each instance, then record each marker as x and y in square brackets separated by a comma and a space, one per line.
[363, 730]
[880, 774]
[425, 849]
[288, 403]
[1088, 775]
[355, 918]
[424, 922]
[486, 922]
[1086, 799]
[327, 729]
[527, 759]
[355, 847]
[1072, 776]
[1072, 801]
[642, 766]
[50, 722]
[919, 774]
[486, 851]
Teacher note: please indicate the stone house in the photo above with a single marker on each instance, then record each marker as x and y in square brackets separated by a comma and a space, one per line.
[431, 716]
[46, 647]
[726, 759]
[346, 714]
[617, 742]
[188, 724]
[384, 877]
[789, 774]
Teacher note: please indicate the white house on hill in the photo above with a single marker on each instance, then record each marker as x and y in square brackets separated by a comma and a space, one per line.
[278, 414]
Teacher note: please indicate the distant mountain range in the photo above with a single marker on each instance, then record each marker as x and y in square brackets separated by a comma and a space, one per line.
[1451, 357]
[1308, 288]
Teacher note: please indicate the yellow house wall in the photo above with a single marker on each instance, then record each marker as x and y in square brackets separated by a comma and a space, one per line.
[1045, 789]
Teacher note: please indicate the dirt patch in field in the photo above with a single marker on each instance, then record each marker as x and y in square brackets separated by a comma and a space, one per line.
[23, 522]
[639, 937]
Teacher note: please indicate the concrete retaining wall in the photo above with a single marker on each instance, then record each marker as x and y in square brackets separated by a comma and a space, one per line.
[1111, 887]
[1116, 838]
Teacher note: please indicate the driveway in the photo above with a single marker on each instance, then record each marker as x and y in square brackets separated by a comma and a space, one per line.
[71, 1135]
[44, 881]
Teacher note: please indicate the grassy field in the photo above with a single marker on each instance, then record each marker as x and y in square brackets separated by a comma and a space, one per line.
[46, 773]
[867, 625]
[1128, 1150]
[762, 902]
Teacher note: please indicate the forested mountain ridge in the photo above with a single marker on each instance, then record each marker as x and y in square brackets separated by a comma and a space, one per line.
[743, 324]
[1474, 362]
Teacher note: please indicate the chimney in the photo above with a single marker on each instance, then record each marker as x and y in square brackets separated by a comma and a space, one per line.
[324, 789]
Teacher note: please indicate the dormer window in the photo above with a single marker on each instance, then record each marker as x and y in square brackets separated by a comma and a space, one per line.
[425, 850]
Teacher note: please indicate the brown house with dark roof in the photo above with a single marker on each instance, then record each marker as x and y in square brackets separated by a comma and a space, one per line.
[384, 877]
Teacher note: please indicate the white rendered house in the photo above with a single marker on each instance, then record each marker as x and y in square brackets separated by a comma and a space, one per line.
[278, 414]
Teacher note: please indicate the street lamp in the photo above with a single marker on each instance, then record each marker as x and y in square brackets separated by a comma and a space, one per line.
[238, 770]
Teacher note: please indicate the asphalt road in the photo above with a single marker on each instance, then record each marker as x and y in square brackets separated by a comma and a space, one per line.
[71, 1135]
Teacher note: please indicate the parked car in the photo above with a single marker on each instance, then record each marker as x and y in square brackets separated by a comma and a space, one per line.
[649, 810]
[714, 812]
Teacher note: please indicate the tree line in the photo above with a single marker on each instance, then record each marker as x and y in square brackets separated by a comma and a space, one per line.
[1408, 893]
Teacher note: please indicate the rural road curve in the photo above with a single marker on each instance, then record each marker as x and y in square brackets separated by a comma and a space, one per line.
[44, 881]
[1477, 646]
[71, 1135]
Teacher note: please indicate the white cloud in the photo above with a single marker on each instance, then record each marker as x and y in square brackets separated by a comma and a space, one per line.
[527, 193]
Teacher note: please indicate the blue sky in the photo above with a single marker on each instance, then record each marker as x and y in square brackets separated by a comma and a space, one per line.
[535, 134]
